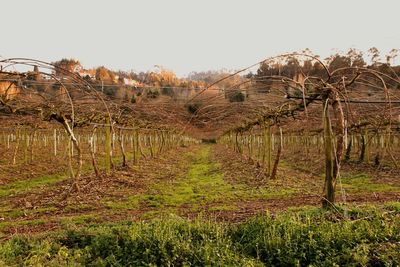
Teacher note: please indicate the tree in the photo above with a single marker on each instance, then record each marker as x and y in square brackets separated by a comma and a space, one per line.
[356, 58]
[291, 68]
[338, 61]
[375, 55]
[65, 66]
[390, 57]
[105, 75]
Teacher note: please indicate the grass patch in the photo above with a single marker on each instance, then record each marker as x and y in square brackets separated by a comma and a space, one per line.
[160, 213]
[363, 183]
[131, 204]
[80, 219]
[33, 222]
[78, 208]
[12, 213]
[36, 222]
[24, 186]
[202, 183]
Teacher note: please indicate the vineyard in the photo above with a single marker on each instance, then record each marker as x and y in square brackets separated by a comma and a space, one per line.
[222, 160]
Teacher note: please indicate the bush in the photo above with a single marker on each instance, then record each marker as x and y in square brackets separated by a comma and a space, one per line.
[153, 93]
[237, 97]
[193, 107]
[168, 91]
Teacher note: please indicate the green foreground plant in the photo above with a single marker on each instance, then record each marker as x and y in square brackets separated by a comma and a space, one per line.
[356, 237]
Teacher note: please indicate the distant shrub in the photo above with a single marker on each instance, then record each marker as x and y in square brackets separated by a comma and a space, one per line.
[168, 91]
[110, 91]
[237, 97]
[153, 93]
[209, 141]
[193, 107]
[133, 99]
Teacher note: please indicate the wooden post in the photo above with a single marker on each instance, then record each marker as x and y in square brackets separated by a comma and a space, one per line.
[93, 153]
[108, 146]
[267, 149]
[26, 145]
[17, 141]
[55, 142]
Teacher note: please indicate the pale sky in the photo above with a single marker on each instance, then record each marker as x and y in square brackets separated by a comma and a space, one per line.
[188, 35]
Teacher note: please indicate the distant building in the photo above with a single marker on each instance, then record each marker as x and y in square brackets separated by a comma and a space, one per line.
[131, 82]
[87, 73]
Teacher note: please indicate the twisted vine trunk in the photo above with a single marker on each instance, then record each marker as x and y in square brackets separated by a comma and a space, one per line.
[329, 186]
[348, 150]
[267, 159]
[278, 156]
[340, 132]
[332, 157]
[76, 145]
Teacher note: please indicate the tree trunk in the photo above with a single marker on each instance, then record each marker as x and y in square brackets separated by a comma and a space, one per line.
[121, 145]
[278, 156]
[348, 150]
[329, 187]
[151, 146]
[77, 147]
[267, 150]
[340, 132]
[362, 149]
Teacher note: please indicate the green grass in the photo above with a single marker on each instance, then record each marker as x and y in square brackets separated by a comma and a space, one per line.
[10, 212]
[363, 183]
[74, 220]
[131, 203]
[82, 219]
[363, 236]
[203, 182]
[24, 186]
[7, 225]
